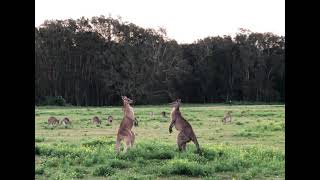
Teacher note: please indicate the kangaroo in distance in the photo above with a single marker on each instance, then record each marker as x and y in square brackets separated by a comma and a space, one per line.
[110, 118]
[125, 133]
[65, 121]
[186, 132]
[96, 120]
[227, 117]
[53, 121]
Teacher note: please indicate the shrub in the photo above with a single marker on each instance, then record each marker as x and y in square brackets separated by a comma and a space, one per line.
[78, 172]
[39, 170]
[54, 101]
[239, 123]
[184, 167]
[104, 170]
[116, 163]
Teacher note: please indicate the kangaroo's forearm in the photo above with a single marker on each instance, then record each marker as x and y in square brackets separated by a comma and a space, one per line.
[171, 126]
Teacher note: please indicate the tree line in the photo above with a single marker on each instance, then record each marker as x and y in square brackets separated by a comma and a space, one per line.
[92, 62]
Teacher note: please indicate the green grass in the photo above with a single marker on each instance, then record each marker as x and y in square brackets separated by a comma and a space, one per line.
[250, 147]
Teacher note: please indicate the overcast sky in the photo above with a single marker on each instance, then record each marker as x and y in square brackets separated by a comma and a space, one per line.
[185, 20]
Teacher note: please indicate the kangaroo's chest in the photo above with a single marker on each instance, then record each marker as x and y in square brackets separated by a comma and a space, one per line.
[179, 123]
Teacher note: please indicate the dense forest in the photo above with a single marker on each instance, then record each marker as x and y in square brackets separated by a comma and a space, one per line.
[91, 62]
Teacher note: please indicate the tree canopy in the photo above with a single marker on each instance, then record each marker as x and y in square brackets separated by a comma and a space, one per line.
[91, 62]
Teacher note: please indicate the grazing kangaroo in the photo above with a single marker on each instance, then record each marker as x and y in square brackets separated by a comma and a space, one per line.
[227, 117]
[124, 132]
[163, 114]
[186, 132]
[110, 118]
[53, 121]
[96, 120]
[65, 121]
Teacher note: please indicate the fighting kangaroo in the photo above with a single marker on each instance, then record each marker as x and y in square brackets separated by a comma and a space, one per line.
[186, 132]
[124, 132]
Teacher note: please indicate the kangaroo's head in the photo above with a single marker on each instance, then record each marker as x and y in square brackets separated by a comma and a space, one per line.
[176, 104]
[126, 100]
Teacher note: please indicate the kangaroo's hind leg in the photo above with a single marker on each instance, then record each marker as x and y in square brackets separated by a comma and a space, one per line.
[118, 144]
[182, 140]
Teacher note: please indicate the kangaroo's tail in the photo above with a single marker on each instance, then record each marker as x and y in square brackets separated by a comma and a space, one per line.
[195, 141]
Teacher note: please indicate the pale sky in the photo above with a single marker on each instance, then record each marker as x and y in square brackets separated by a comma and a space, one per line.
[184, 20]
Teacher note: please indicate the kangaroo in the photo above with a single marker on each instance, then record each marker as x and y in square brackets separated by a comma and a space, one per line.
[186, 132]
[110, 118]
[227, 117]
[163, 114]
[96, 120]
[53, 121]
[65, 121]
[125, 133]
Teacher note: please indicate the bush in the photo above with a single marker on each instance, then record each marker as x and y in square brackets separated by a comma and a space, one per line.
[184, 167]
[98, 142]
[54, 101]
[104, 170]
[239, 123]
[39, 139]
[131, 176]
[39, 170]
[79, 172]
[116, 163]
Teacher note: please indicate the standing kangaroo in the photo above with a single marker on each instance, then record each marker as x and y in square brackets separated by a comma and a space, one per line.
[186, 132]
[124, 132]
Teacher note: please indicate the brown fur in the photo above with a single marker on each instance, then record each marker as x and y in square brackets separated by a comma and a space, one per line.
[96, 120]
[227, 117]
[65, 121]
[125, 133]
[186, 132]
[53, 121]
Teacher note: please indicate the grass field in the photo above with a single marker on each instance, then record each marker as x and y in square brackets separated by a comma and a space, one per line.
[250, 147]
